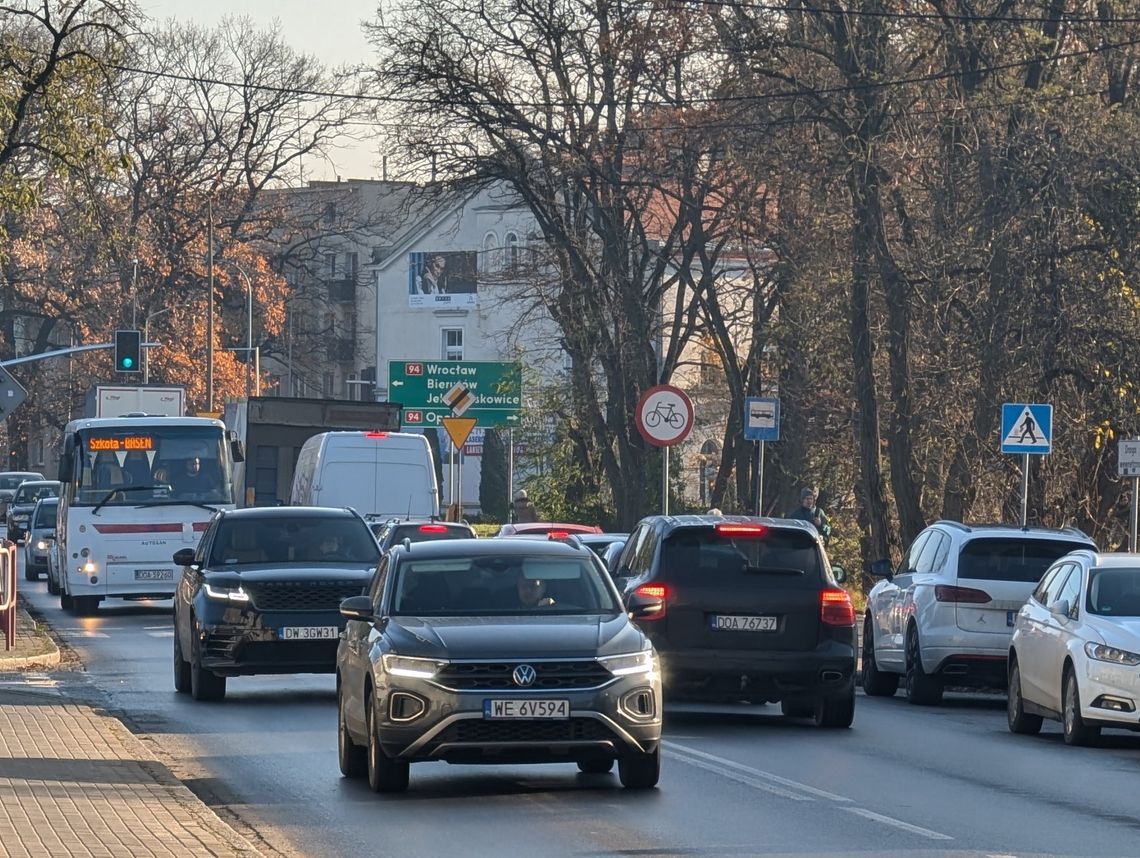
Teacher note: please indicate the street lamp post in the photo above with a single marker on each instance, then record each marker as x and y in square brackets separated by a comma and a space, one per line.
[248, 328]
[146, 339]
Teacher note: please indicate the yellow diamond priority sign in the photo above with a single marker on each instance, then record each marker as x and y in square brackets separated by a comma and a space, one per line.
[458, 428]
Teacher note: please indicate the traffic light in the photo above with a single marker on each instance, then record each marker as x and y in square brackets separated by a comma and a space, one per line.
[128, 351]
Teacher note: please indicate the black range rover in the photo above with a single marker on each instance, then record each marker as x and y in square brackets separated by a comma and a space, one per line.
[262, 593]
[753, 613]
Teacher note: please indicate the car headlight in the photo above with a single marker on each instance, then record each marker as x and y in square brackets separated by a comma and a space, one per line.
[413, 668]
[41, 546]
[630, 664]
[227, 594]
[1111, 654]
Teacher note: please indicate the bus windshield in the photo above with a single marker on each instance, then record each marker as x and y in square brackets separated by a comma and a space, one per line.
[152, 465]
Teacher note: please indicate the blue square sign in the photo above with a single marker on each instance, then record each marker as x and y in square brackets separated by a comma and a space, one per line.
[1026, 428]
[761, 418]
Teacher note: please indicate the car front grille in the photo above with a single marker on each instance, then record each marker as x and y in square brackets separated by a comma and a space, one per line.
[479, 732]
[302, 595]
[497, 675]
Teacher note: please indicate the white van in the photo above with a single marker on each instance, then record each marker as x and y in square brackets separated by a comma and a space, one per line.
[379, 474]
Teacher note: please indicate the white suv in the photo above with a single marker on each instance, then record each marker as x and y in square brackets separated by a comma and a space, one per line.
[945, 617]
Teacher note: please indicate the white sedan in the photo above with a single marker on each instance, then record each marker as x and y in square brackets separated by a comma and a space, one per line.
[1075, 652]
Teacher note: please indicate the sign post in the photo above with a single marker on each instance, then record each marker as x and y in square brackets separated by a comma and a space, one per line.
[1026, 429]
[761, 424]
[1128, 465]
[458, 429]
[664, 418]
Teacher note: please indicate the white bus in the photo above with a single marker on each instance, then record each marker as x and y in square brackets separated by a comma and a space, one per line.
[133, 490]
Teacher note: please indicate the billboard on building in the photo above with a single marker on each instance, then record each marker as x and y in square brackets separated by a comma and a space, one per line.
[444, 280]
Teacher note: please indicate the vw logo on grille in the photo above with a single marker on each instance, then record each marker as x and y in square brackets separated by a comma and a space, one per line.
[524, 675]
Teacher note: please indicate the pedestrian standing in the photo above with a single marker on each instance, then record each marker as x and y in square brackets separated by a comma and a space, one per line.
[522, 509]
[808, 511]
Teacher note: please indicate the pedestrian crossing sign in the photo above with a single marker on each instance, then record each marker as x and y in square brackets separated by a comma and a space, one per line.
[1026, 428]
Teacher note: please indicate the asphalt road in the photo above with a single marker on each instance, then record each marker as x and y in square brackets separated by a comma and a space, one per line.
[736, 780]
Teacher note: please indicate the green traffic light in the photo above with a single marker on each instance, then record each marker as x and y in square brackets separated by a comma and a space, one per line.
[128, 363]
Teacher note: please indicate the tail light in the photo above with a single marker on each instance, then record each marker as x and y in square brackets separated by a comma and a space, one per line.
[835, 608]
[654, 591]
[375, 434]
[943, 593]
[433, 528]
[558, 534]
[741, 530]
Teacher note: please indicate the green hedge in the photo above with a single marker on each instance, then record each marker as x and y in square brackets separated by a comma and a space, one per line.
[482, 530]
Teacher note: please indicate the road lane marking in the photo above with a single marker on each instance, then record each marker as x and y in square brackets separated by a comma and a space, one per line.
[681, 750]
[168, 633]
[739, 777]
[897, 823]
[82, 633]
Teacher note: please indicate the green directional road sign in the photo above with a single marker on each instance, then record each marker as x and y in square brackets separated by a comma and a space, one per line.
[429, 390]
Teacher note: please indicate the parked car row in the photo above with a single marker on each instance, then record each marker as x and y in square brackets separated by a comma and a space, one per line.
[1038, 611]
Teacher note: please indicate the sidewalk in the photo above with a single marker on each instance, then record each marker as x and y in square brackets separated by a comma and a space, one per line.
[33, 646]
[75, 782]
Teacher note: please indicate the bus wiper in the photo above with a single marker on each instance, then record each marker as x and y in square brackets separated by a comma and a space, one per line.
[115, 491]
[200, 504]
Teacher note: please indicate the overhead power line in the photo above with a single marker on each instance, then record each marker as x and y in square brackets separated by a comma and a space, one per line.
[692, 102]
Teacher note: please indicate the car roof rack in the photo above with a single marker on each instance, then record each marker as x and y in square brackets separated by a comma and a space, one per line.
[1003, 525]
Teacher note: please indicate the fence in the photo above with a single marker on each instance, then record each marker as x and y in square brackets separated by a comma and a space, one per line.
[8, 592]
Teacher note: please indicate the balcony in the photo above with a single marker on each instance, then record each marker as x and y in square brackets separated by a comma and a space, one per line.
[343, 290]
[340, 349]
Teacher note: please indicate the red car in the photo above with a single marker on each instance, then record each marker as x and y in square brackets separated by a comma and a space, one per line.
[535, 528]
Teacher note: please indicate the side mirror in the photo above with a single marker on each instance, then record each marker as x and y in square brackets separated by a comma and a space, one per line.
[642, 607]
[357, 608]
[184, 556]
[1060, 608]
[881, 569]
[839, 572]
[237, 450]
[65, 467]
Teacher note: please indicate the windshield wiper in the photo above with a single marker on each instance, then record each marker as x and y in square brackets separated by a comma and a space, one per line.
[200, 504]
[774, 570]
[115, 491]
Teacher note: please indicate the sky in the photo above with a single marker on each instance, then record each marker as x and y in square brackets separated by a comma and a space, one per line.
[329, 30]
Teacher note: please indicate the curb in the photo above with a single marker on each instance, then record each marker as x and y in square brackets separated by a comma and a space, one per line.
[26, 625]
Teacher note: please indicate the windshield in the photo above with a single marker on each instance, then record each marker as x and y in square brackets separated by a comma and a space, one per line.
[1012, 559]
[495, 585]
[428, 532]
[45, 515]
[32, 492]
[704, 556]
[153, 464]
[1114, 592]
[11, 481]
[293, 540]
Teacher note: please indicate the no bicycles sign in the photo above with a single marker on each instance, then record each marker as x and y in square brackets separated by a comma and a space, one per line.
[664, 415]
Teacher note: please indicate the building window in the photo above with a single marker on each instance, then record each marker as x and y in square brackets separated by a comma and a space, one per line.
[452, 343]
[511, 251]
[330, 264]
[352, 264]
[712, 370]
[329, 381]
[489, 258]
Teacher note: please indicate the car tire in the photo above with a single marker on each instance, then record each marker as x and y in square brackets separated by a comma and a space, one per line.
[205, 685]
[85, 606]
[30, 574]
[352, 757]
[875, 682]
[595, 767]
[182, 681]
[640, 771]
[1020, 721]
[384, 773]
[66, 603]
[836, 711]
[53, 586]
[797, 708]
[922, 689]
[1077, 732]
